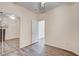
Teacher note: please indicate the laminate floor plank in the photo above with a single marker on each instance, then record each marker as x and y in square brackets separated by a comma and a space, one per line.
[11, 48]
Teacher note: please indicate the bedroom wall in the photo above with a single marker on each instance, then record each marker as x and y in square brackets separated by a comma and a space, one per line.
[62, 27]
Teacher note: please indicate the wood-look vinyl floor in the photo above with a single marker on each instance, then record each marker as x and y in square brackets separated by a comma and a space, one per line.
[37, 49]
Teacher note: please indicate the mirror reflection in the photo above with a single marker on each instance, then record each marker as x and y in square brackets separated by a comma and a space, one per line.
[9, 32]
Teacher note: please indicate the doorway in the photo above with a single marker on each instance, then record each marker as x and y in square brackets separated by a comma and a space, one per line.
[34, 31]
[41, 31]
[38, 32]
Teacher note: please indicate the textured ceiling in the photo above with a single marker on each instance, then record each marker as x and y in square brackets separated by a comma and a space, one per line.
[36, 6]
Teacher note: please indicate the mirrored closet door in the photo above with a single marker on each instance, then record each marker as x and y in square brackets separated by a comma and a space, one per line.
[9, 33]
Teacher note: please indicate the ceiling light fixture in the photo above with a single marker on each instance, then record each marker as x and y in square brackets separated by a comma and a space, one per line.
[7, 15]
[12, 16]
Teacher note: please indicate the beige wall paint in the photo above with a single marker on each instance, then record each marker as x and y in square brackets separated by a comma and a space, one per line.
[25, 21]
[62, 27]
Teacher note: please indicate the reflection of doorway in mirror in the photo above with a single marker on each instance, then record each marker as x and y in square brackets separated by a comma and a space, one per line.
[10, 31]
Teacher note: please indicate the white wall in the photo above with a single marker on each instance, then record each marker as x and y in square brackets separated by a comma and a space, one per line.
[25, 21]
[62, 27]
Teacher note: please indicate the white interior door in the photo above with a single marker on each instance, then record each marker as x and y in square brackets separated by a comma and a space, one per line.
[41, 32]
[41, 29]
[34, 31]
